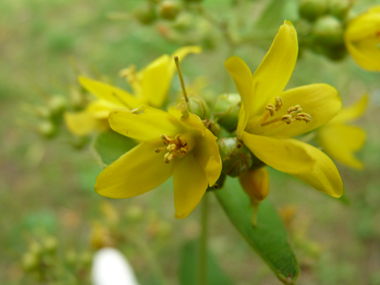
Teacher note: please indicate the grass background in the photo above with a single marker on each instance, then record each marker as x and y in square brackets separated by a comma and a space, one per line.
[46, 186]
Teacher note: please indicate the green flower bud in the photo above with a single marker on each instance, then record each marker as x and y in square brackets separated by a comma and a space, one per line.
[340, 8]
[226, 109]
[236, 157]
[146, 14]
[57, 104]
[50, 244]
[29, 261]
[47, 129]
[134, 212]
[312, 9]
[198, 107]
[43, 112]
[328, 31]
[168, 10]
[335, 53]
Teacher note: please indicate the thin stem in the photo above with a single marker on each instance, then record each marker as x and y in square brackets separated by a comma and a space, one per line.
[181, 78]
[203, 242]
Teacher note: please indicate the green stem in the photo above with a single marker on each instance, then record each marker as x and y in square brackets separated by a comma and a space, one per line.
[203, 242]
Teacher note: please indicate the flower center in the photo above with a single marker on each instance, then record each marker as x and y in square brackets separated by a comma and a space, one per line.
[293, 113]
[176, 147]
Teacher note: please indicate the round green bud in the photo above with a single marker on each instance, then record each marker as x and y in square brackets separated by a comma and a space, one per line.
[328, 30]
[336, 53]
[168, 10]
[134, 212]
[50, 244]
[43, 112]
[183, 22]
[198, 107]
[35, 248]
[236, 157]
[146, 14]
[29, 261]
[57, 104]
[312, 9]
[226, 109]
[47, 129]
[339, 8]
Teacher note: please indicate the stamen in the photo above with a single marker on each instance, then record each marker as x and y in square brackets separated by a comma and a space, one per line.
[303, 116]
[296, 108]
[278, 103]
[271, 109]
[287, 118]
[176, 147]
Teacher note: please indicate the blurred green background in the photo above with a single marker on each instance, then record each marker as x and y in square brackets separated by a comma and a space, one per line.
[46, 186]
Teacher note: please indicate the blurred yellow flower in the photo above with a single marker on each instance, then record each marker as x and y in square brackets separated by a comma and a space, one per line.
[150, 86]
[362, 38]
[340, 140]
[270, 117]
[171, 145]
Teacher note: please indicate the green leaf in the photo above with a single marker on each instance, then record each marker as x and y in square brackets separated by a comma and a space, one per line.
[268, 238]
[188, 269]
[111, 145]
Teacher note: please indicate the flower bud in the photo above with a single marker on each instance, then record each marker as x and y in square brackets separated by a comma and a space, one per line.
[236, 157]
[198, 107]
[50, 244]
[57, 104]
[255, 183]
[339, 8]
[168, 10]
[328, 30]
[312, 9]
[29, 261]
[47, 129]
[146, 14]
[226, 109]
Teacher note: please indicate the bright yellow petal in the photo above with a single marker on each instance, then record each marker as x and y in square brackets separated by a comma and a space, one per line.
[155, 82]
[181, 53]
[190, 184]
[364, 26]
[242, 76]
[352, 112]
[276, 68]
[110, 93]
[298, 159]
[279, 154]
[145, 123]
[101, 109]
[136, 172]
[80, 123]
[366, 53]
[321, 101]
[207, 154]
[341, 141]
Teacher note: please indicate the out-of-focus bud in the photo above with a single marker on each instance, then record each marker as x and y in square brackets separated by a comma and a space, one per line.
[328, 31]
[71, 257]
[43, 112]
[134, 212]
[226, 109]
[183, 22]
[57, 104]
[339, 8]
[47, 129]
[255, 183]
[50, 244]
[312, 9]
[168, 10]
[35, 248]
[109, 212]
[236, 157]
[29, 261]
[146, 14]
[198, 107]
[337, 52]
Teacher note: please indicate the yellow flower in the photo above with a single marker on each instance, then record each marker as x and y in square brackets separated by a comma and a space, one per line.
[270, 117]
[171, 145]
[340, 140]
[362, 38]
[150, 86]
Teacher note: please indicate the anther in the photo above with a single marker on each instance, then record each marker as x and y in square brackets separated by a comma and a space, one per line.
[166, 139]
[172, 148]
[278, 103]
[183, 150]
[296, 108]
[168, 157]
[287, 118]
[271, 109]
[303, 116]
[180, 140]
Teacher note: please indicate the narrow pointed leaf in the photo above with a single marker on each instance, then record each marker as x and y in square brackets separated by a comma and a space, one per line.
[268, 238]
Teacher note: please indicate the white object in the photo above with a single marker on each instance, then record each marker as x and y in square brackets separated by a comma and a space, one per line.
[110, 267]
